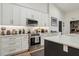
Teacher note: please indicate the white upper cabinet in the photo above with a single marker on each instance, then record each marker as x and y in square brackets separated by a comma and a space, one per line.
[7, 13]
[0, 14]
[11, 14]
[16, 15]
[28, 13]
[44, 19]
[25, 13]
[34, 15]
[24, 16]
[46, 23]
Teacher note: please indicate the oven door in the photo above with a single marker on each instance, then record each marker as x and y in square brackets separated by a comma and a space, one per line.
[35, 40]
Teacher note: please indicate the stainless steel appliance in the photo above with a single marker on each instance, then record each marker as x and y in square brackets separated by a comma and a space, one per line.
[31, 22]
[34, 40]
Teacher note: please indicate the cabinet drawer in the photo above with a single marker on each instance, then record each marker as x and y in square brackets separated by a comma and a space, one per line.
[7, 51]
[5, 40]
[8, 46]
[8, 39]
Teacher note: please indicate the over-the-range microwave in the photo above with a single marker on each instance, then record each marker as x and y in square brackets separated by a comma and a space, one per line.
[31, 22]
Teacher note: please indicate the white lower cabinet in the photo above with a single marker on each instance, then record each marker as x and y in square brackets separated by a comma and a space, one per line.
[42, 41]
[25, 43]
[0, 46]
[8, 45]
[18, 43]
[13, 44]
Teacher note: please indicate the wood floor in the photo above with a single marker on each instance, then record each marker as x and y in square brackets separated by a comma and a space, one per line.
[24, 54]
[29, 53]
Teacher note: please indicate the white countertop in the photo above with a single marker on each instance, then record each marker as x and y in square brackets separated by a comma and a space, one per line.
[13, 35]
[69, 40]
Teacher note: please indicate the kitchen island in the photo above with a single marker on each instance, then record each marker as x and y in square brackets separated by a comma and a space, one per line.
[62, 45]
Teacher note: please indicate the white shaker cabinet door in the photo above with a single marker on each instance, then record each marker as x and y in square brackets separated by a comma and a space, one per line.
[44, 19]
[18, 43]
[7, 13]
[34, 15]
[42, 40]
[29, 13]
[24, 15]
[46, 23]
[0, 13]
[0, 46]
[24, 43]
[16, 15]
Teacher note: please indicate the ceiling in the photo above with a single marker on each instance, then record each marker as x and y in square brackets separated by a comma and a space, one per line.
[67, 7]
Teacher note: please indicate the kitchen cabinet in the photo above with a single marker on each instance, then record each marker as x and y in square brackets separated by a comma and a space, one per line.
[23, 16]
[44, 20]
[7, 14]
[54, 49]
[25, 44]
[18, 43]
[8, 45]
[25, 13]
[0, 13]
[11, 14]
[73, 51]
[35, 15]
[29, 13]
[0, 46]
[16, 15]
[42, 40]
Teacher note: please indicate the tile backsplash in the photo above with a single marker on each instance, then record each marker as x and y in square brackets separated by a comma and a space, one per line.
[11, 30]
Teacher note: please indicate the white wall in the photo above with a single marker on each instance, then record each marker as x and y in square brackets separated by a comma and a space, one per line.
[35, 6]
[55, 12]
[74, 15]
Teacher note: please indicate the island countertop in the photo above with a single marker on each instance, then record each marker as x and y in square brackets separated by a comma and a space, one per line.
[69, 40]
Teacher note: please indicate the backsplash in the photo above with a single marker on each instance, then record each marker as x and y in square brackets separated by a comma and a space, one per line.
[13, 30]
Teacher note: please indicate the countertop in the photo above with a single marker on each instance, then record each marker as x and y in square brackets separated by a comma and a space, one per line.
[69, 40]
[13, 35]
